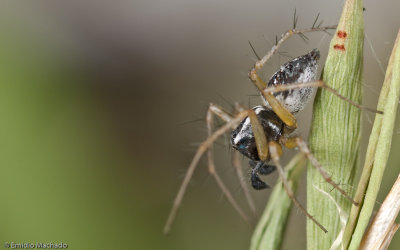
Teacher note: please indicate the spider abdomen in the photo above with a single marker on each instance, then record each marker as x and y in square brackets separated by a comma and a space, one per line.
[299, 70]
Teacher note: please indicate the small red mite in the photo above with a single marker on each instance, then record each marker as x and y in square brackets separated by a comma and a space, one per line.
[339, 47]
[342, 34]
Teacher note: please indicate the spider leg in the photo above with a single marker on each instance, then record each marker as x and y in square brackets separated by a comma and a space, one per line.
[284, 87]
[259, 136]
[287, 117]
[297, 141]
[275, 150]
[216, 110]
[199, 153]
[260, 63]
[243, 184]
[236, 163]
[284, 114]
[262, 149]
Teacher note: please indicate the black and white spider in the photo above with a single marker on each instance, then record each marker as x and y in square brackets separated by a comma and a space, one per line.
[260, 132]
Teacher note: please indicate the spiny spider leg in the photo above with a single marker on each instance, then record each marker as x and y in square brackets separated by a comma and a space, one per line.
[243, 184]
[275, 150]
[262, 149]
[284, 114]
[218, 111]
[304, 148]
[235, 160]
[259, 64]
[284, 87]
[199, 153]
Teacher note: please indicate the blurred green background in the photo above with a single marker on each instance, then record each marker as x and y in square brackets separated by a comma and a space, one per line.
[95, 97]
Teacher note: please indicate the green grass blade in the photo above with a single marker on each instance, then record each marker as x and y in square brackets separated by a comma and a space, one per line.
[369, 158]
[335, 133]
[391, 90]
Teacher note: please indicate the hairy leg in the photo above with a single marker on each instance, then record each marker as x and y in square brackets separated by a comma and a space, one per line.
[199, 153]
[275, 150]
[321, 84]
[243, 184]
[218, 111]
[297, 141]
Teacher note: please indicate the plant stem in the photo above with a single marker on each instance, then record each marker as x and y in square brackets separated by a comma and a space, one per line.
[335, 133]
[380, 144]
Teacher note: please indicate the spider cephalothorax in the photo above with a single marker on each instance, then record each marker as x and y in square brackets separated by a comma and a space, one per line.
[242, 138]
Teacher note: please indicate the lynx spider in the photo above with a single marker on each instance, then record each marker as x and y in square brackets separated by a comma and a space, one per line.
[277, 110]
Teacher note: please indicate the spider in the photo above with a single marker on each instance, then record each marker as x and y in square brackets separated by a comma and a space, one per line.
[260, 132]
